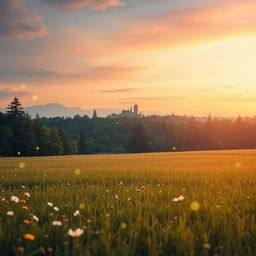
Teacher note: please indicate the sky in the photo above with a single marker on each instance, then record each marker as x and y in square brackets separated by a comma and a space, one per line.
[170, 56]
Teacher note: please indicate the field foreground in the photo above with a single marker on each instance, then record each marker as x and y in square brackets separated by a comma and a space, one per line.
[124, 205]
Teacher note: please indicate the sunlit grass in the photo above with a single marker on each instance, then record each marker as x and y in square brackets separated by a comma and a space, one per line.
[124, 204]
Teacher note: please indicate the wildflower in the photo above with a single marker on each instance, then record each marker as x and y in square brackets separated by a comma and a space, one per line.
[23, 187]
[29, 237]
[55, 208]
[123, 225]
[76, 233]
[178, 199]
[27, 222]
[138, 190]
[81, 205]
[24, 207]
[116, 196]
[23, 201]
[2, 198]
[21, 249]
[50, 204]
[34, 217]
[143, 187]
[107, 215]
[57, 223]
[88, 220]
[10, 213]
[27, 194]
[77, 213]
[15, 199]
[206, 246]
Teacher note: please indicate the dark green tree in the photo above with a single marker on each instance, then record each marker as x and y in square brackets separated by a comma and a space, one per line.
[82, 143]
[138, 141]
[54, 145]
[67, 143]
[94, 116]
[5, 137]
[23, 138]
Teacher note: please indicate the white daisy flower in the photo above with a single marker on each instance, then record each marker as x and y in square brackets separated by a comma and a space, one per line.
[34, 217]
[26, 194]
[10, 213]
[178, 199]
[15, 199]
[77, 213]
[76, 233]
[57, 223]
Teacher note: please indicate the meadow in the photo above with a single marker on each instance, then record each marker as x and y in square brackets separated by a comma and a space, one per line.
[188, 203]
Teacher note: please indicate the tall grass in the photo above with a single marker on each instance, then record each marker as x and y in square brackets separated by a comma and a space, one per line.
[126, 204]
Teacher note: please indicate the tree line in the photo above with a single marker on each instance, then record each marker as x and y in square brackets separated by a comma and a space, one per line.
[84, 135]
[22, 136]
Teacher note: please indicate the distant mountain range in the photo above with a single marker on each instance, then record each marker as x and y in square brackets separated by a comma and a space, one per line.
[59, 110]
[56, 109]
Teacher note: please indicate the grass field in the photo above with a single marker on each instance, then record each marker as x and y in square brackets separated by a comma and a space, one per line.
[126, 205]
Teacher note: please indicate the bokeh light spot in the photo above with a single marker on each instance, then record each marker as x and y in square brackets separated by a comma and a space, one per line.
[81, 206]
[195, 206]
[34, 97]
[77, 172]
[22, 165]
[238, 165]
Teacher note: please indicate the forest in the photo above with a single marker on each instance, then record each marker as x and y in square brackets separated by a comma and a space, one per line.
[22, 136]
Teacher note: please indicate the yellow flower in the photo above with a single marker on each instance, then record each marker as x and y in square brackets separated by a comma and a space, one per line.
[29, 237]
[123, 225]
[27, 222]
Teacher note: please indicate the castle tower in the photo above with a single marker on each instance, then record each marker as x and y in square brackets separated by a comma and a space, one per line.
[136, 109]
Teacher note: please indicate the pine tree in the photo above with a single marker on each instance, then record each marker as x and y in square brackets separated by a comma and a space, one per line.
[15, 109]
[67, 143]
[94, 116]
[138, 142]
[23, 137]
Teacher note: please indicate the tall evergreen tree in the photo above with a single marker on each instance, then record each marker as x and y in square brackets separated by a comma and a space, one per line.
[23, 137]
[94, 116]
[138, 142]
[67, 143]
[54, 145]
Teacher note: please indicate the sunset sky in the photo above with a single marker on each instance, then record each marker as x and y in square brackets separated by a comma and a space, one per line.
[187, 57]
